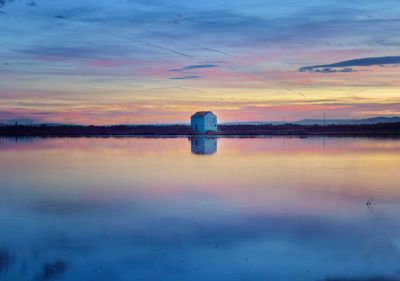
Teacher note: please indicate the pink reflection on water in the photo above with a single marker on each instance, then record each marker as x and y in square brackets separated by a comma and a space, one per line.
[293, 175]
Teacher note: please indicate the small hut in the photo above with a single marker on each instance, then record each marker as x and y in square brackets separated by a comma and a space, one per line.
[203, 122]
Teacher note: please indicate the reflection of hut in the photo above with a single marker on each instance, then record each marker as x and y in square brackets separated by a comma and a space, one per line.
[204, 145]
[203, 122]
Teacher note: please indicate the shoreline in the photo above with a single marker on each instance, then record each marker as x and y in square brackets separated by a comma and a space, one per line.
[199, 136]
[383, 130]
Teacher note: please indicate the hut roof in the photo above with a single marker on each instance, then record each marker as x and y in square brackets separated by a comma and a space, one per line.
[202, 113]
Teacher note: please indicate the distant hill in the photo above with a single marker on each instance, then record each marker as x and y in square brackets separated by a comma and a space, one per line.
[375, 120]
[368, 121]
[253, 123]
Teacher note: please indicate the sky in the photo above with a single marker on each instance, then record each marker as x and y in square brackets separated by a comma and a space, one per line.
[159, 61]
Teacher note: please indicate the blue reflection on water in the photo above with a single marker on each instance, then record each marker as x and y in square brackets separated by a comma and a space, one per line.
[249, 212]
[203, 145]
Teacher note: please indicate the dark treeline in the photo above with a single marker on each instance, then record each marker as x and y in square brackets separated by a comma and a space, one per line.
[387, 129]
[44, 130]
[384, 129]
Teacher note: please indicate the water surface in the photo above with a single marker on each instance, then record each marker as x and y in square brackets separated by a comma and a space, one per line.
[200, 209]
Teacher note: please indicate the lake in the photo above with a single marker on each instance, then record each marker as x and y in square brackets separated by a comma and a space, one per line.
[199, 209]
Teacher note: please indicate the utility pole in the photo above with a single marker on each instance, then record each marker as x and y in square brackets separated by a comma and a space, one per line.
[324, 119]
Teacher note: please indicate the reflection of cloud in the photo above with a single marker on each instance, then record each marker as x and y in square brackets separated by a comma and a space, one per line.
[66, 208]
[4, 260]
[31, 3]
[3, 2]
[345, 66]
[52, 270]
[371, 278]
[218, 206]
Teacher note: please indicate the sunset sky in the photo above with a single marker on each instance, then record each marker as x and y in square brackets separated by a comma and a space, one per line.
[158, 61]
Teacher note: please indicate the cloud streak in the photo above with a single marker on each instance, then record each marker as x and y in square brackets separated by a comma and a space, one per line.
[346, 66]
[187, 77]
[192, 67]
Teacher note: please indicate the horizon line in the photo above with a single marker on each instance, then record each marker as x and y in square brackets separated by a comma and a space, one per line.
[30, 123]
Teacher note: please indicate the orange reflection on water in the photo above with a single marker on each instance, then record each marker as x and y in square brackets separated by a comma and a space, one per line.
[275, 174]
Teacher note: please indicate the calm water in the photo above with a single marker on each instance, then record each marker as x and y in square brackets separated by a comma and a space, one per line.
[204, 209]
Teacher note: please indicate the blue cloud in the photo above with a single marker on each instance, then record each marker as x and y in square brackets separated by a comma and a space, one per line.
[345, 66]
[196, 66]
[187, 77]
